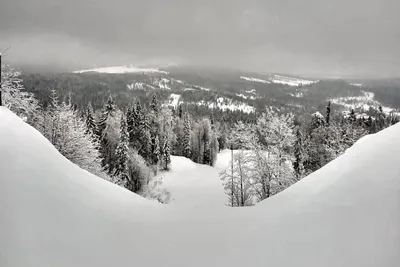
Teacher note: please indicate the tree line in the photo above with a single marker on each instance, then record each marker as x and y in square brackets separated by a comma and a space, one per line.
[279, 149]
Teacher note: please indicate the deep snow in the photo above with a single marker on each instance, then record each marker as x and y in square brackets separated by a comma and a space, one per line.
[55, 214]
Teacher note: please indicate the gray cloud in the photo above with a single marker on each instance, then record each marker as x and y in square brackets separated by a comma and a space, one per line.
[306, 37]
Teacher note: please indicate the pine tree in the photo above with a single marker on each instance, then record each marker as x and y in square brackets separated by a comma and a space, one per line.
[90, 122]
[328, 113]
[106, 152]
[352, 117]
[154, 105]
[155, 150]
[317, 120]
[130, 122]
[167, 155]
[121, 153]
[180, 111]
[206, 140]
[298, 154]
[107, 109]
[186, 136]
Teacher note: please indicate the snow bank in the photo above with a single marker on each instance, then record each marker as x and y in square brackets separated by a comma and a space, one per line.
[55, 214]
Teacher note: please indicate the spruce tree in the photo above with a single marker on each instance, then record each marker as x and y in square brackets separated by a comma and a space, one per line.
[155, 150]
[154, 105]
[328, 113]
[206, 140]
[167, 155]
[352, 117]
[121, 153]
[186, 136]
[105, 150]
[107, 109]
[180, 111]
[298, 155]
[130, 122]
[90, 122]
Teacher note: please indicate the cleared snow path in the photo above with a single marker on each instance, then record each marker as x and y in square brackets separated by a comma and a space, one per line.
[193, 184]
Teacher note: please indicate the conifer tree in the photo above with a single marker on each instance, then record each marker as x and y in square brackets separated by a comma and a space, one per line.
[180, 111]
[186, 136]
[121, 169]
[154, 105]
[155, 150]
[130, 122]
[107, 109]
[206, 140]
[90, 122]
[107, 154]
[328, 113]
[352, 116]
[298, 155]
[167, 155]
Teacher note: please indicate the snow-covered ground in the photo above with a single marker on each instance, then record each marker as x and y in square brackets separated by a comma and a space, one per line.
[140, 86]
[123, 69]
[194, 184]
[297, 94]
[55, 214]
[173, 100]
[254, 79]
[252, 97]
[357, 84]
[363, 102]
[291, 81]
[163, 83]
[227, 104]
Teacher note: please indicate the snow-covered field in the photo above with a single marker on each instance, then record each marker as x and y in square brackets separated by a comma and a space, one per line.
[227, 104]
[55, 214]
[122, 69]
[363, 102]
[254, 79]
[194, 184]
[291, 81]
[173, 100]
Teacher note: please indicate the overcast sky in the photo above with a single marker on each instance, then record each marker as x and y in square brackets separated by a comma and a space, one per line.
[332, 37]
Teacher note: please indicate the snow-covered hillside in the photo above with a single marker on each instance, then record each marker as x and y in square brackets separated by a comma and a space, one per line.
[362, 103]
[227, 104]
[254, 79]
[55, 214]
[123, 69]
[195, 184]
[291, 81]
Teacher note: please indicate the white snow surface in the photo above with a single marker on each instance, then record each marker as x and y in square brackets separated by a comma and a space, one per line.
[227, 104]
[254, 79]
[122, 69]
[363, 102]
[174, 100]
[291, 81]
[55, 214]
[195, 185]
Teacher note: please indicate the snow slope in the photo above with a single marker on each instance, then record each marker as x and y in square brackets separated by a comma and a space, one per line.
[194, 184]
[122, 69]
[55, 214]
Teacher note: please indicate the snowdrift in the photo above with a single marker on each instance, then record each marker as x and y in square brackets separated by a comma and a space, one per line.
[55, 214]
